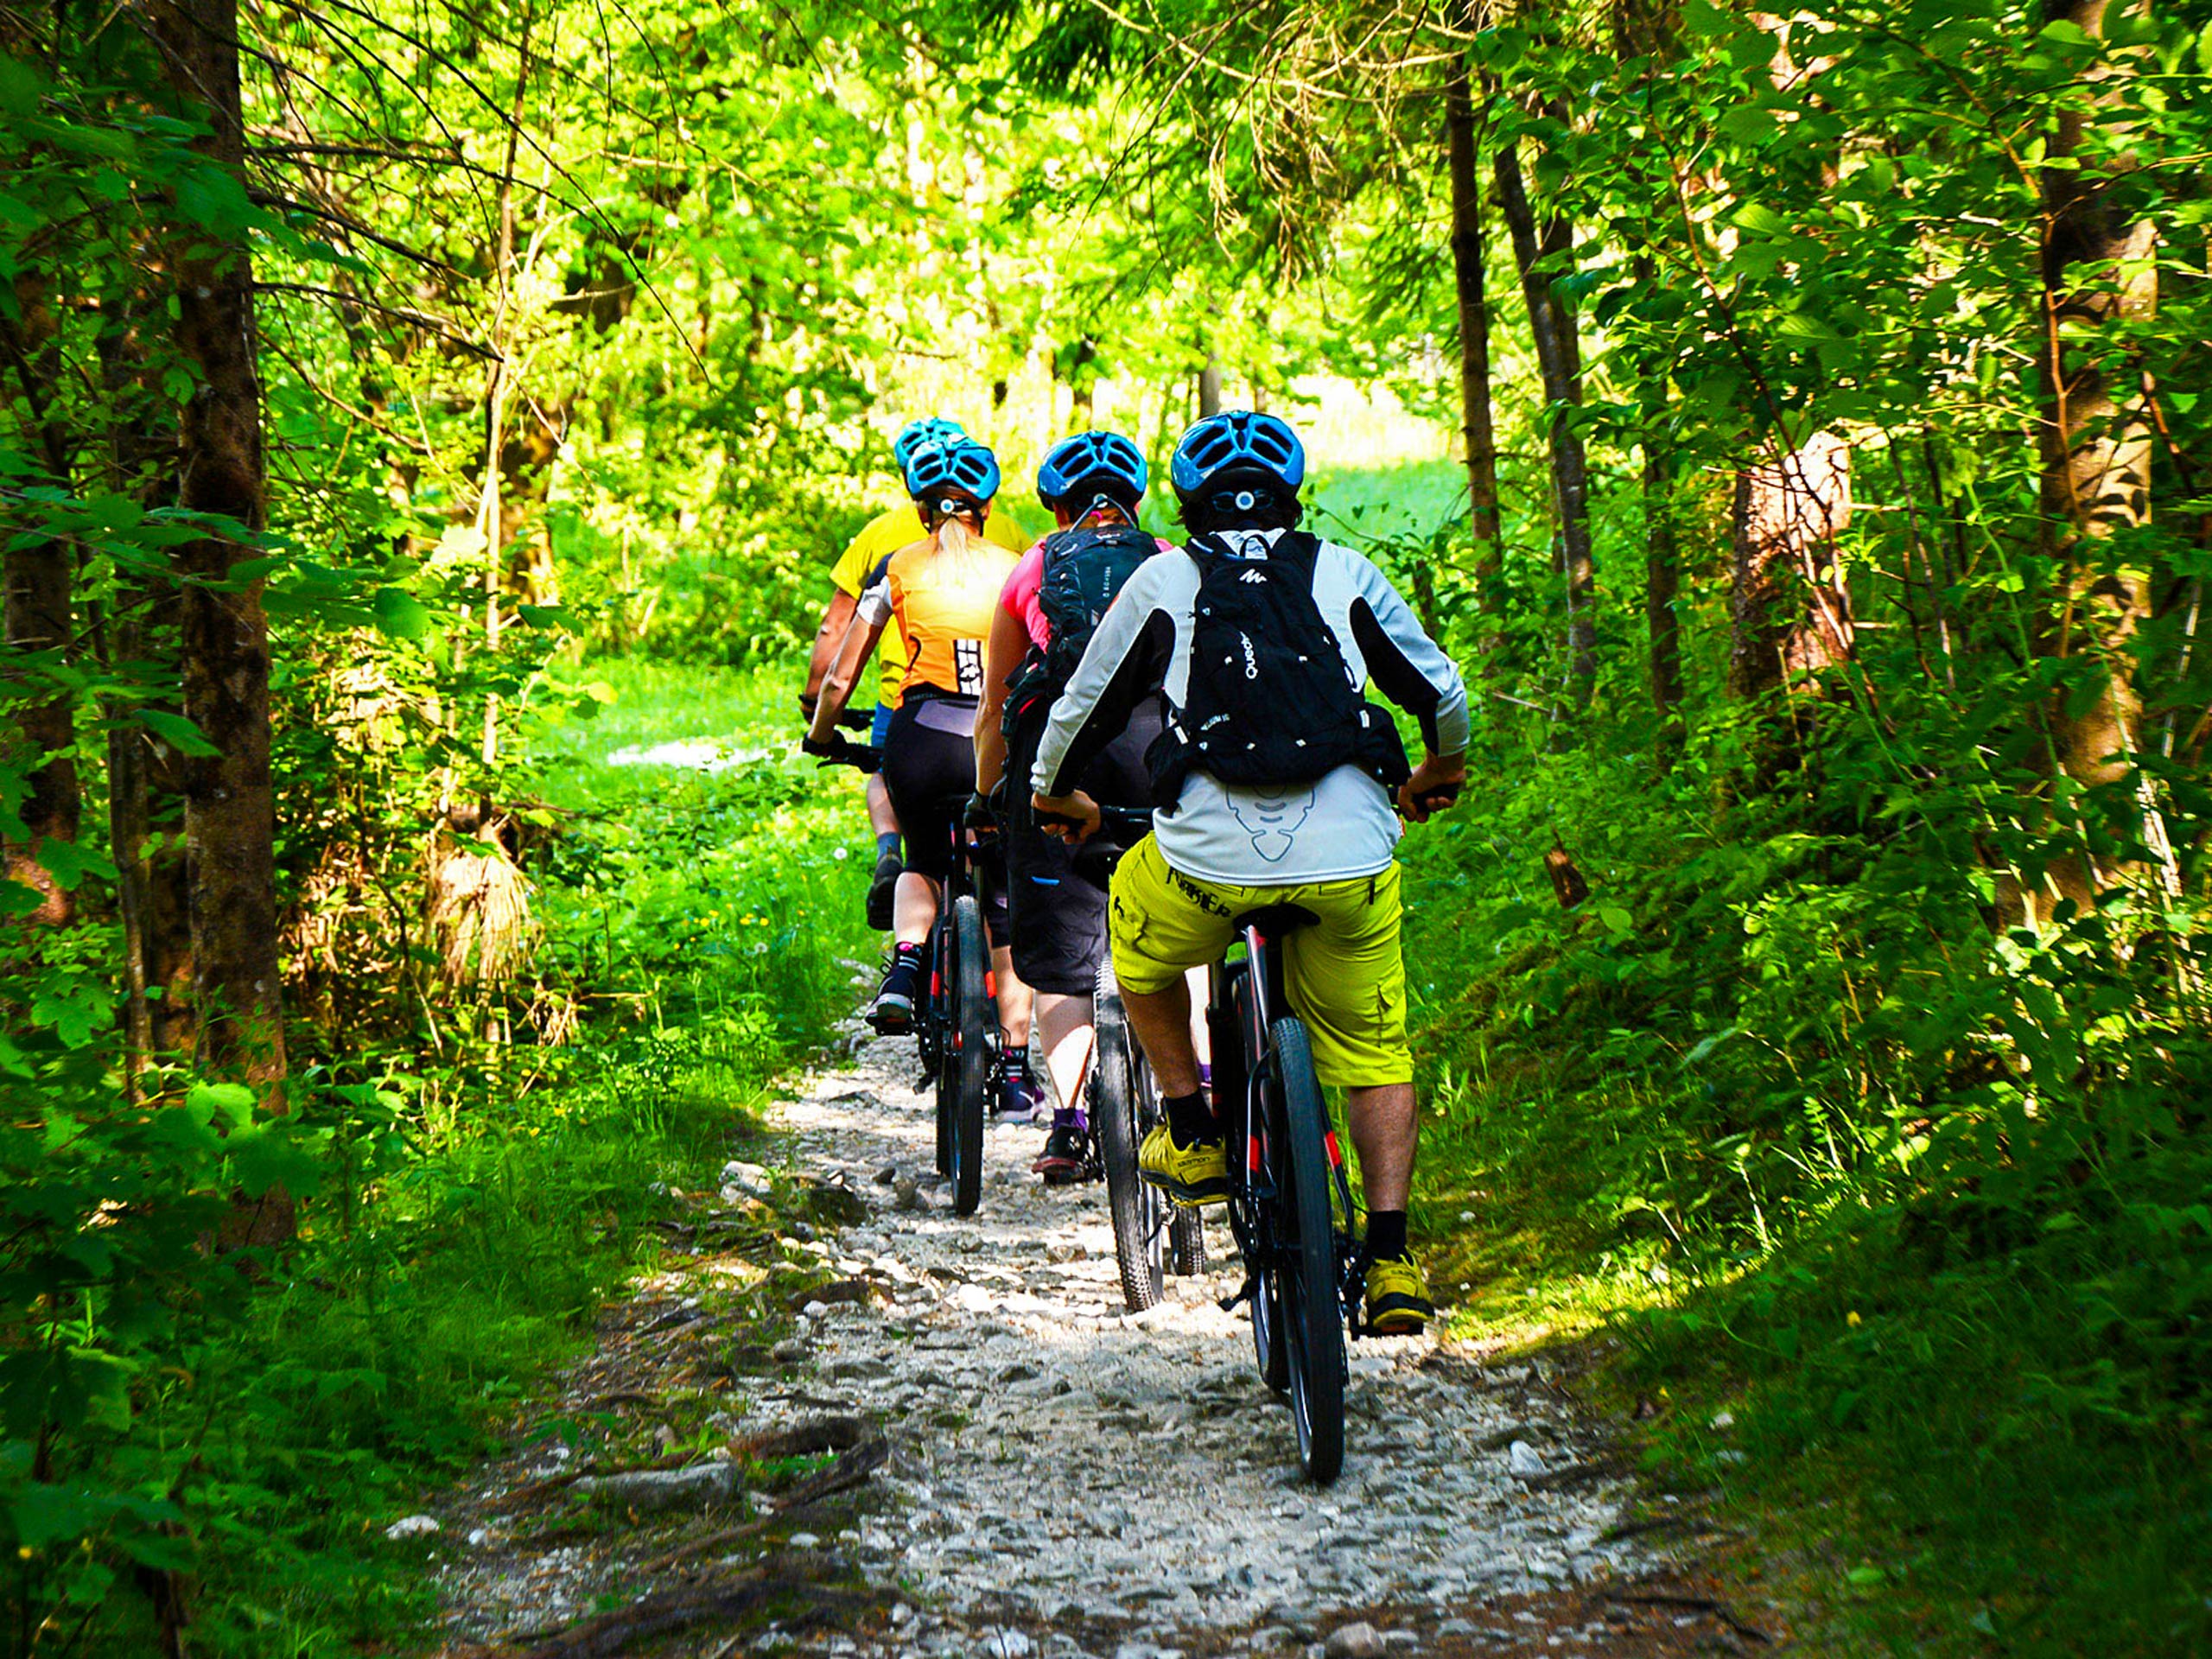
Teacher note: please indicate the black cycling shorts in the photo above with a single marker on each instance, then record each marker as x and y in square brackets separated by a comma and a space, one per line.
[1056, 896]
[929, 766]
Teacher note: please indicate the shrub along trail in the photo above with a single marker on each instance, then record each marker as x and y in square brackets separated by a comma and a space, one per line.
[1024, 1469]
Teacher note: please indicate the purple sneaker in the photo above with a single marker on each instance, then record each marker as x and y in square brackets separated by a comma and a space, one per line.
[1021, 1099]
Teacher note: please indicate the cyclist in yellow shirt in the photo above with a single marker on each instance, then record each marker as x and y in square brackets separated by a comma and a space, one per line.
[939, 594]
[882, 536]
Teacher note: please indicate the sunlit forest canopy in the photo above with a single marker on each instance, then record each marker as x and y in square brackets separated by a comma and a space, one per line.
[419, 418]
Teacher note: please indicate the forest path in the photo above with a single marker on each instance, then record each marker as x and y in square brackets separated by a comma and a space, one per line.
[1066, 1479]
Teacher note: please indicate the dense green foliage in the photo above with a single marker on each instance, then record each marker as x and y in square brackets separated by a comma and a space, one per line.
[1862, 1091]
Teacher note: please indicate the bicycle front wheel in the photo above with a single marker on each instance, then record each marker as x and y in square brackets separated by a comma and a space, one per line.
[1314, 1324]
[973, 1018]
[1119, 1119]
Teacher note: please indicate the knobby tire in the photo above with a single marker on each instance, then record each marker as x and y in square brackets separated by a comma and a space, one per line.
[1118, 1118]
[974, 1016]
[1313, 1324]
[939, 956]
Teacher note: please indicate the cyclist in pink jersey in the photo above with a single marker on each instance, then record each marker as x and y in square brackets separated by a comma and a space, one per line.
[1093, 483]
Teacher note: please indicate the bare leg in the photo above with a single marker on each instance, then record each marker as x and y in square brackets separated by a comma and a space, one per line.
[881, 818]
[1015, 998]
[1201, 1039]
[1161, 1021]
[1064, 1027]
[914, 908]
[1385, 1127]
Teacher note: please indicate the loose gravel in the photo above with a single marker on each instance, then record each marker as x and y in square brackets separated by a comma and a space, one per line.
[1065, 1478]
[1066, 1459]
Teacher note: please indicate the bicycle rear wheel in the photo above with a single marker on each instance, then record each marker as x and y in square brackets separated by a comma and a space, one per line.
[973, 1018]
[1252, 1219]
[1314, 1324]
[934, 1030]
[1118, 1118]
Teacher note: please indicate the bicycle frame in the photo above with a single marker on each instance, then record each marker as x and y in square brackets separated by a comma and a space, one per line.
[1245, 999]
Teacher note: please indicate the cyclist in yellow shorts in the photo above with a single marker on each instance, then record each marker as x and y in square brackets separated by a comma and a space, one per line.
[879, 538]
[1248, 635]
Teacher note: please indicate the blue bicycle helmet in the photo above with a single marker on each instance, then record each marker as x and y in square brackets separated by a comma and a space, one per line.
[1097, 461]
[960, 464]
[930, 429]
[1238, 437]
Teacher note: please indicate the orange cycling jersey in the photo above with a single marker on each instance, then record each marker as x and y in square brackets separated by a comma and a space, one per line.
[943, 603]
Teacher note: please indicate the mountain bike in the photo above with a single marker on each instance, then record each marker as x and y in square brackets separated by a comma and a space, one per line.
[955, 1014]
[1290, 1204]
[956, 1021]
[1152, 1237]
[1289, 1199]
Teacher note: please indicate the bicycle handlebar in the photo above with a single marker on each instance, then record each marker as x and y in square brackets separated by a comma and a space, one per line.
[1115, 823]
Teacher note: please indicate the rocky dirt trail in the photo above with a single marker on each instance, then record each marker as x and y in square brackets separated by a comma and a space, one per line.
[958, 1442]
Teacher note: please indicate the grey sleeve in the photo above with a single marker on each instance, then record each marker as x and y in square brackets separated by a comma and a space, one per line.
[1405, 663]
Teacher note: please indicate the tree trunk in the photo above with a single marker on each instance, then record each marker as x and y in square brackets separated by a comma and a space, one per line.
[2096, 453]
[1559, 356]
[229, 814]
[37, 577]
[1468, 275]
[1209, 387]
[1787, 614]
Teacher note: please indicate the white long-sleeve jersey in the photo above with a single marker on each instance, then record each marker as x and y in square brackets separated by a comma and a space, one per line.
[1340, 827]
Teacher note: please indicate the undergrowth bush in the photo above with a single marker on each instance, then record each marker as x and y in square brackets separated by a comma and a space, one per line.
[1922, 1181]
[241, 1425]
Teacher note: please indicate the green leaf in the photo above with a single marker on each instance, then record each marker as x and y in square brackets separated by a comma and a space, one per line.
[1701, 18]
[1757, 217]
[269, 1155]
[20, 86]
[402, 615]
[232, 1101]
[177, 732]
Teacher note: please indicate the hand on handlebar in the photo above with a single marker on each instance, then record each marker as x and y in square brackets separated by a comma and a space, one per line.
[1434, 785]
[838, 750]
[1073, 818]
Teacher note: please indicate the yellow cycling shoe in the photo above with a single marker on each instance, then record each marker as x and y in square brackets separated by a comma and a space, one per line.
[1192, 1175]
[1397, 1297]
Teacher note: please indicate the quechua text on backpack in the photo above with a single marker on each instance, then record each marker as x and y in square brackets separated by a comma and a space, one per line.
[1270, 698]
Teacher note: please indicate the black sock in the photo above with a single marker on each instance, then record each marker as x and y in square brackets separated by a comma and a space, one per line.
[1190, 1120]
[907, 955]
[887, 845]
[1386, 1235]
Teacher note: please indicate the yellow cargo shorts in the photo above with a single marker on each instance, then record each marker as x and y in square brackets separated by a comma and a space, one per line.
[1346, 975]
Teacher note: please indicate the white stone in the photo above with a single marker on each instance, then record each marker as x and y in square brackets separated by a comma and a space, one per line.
[1521, 1459]
[1359, 1641]
[412, 1526]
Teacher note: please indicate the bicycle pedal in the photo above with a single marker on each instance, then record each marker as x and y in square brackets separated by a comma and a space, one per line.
[1228, 1303]
[923, 1083]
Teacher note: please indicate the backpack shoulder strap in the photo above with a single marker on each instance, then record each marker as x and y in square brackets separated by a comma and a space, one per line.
[1299, 547]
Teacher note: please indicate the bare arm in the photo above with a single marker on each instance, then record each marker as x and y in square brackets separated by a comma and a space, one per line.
[1002, 653]
[845, 668]
[826, 641]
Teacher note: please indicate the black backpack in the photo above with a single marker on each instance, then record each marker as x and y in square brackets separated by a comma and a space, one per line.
[1084, 569]
[1270, 699]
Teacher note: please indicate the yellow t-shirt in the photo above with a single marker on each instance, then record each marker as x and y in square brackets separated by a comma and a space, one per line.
[942, 608]
[884, 535]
